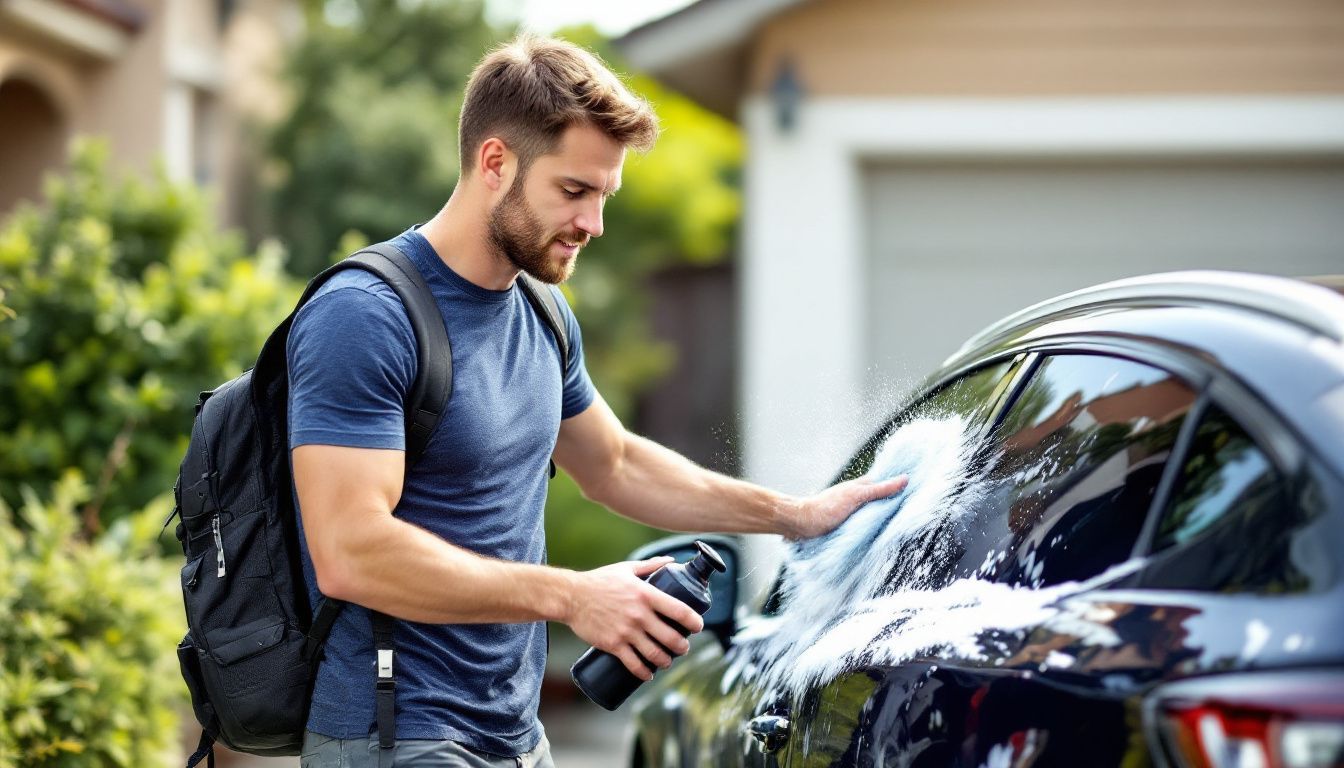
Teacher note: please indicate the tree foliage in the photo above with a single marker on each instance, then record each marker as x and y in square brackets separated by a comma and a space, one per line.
[120, 303]
[369, 143]
[86, 637]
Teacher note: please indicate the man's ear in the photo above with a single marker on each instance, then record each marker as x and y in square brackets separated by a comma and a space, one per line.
[494, 163]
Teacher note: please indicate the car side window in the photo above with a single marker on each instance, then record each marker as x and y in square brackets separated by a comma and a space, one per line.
[1082, 451]
[971, 396]
[1230, 522]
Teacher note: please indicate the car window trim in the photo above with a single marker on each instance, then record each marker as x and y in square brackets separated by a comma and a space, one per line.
[1151, 355]
[1024, 374]
[1023, 368]
[1170, 474]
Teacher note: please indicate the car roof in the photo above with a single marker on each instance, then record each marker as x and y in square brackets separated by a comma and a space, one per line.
[1312, 306]
[1281, 338]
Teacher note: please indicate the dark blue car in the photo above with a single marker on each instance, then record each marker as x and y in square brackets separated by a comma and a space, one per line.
[1122, 545]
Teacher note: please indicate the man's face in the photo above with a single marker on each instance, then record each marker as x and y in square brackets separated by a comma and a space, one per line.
[553, 209]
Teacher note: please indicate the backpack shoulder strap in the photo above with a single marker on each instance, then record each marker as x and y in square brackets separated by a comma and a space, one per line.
[425, 404]
[541, 298]
[433, 385]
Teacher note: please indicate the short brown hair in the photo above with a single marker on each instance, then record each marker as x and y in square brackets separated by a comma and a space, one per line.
[529, 90]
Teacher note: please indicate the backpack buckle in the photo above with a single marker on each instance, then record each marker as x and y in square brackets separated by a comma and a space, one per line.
[384, 663]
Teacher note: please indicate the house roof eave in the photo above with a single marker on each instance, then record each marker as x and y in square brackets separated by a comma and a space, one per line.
[700, 50]
[101, 29]
[118, 12]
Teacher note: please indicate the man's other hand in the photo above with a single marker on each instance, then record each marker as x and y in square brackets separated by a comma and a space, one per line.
[612, 608]
[820, 514]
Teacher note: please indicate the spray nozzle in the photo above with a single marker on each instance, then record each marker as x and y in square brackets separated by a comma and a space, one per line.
[705, 562]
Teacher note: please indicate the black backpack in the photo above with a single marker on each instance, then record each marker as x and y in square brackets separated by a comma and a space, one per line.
[253, 642]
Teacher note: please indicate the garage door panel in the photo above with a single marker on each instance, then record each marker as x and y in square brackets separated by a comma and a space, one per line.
[953, 247]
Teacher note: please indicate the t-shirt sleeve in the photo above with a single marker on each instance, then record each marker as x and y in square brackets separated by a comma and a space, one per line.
[351, 358]
[579, 391]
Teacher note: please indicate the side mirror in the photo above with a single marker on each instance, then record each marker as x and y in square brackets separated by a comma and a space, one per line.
[720, 619]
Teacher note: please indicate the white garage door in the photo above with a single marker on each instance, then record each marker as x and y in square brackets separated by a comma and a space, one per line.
[953, 247]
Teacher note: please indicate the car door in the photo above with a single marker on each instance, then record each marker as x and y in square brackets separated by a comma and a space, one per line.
[1078, 459]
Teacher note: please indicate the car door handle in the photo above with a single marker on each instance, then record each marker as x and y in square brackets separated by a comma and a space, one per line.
[770, 730]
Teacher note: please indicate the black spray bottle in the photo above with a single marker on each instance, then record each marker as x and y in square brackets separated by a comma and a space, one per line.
[603, 677]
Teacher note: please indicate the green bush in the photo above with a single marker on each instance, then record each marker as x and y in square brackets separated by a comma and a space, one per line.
[119, 301]
[86, 637]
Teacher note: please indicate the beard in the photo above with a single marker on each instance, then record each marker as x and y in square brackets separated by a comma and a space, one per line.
[517, 234]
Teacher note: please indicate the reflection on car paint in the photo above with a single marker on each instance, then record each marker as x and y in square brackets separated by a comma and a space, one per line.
[841, 733]
[1257, 635]
[1020, 750]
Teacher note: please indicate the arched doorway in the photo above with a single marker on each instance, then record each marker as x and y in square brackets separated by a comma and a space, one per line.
[33, 135]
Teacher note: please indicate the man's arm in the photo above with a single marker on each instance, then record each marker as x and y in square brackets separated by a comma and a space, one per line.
[644, 481]
[364, 555]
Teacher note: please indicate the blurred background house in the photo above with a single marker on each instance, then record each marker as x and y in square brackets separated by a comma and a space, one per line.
[171, 81]
[916, 169]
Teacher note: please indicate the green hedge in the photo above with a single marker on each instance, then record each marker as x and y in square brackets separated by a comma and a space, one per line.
[87, 631]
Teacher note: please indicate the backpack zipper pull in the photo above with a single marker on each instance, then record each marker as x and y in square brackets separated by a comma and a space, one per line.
[219, 546]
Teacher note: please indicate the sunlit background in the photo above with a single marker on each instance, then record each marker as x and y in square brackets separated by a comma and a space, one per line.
[844, 191]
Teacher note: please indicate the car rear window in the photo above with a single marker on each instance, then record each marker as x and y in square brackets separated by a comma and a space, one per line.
[1231, 524]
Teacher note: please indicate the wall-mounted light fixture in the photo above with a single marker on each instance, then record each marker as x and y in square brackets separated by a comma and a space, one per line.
[786, 92]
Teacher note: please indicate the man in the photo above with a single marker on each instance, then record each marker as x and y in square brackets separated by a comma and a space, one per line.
[457, 554]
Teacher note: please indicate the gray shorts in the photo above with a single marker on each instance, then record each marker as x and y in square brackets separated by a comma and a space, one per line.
[326, 752]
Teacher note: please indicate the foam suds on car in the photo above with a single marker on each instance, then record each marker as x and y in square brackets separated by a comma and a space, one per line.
[881, 588]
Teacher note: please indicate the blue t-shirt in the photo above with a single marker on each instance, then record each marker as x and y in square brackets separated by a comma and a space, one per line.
[480, 485]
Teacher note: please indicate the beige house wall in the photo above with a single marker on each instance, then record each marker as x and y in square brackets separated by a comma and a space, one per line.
[1055, 47]
[179, 93]
[125, 97]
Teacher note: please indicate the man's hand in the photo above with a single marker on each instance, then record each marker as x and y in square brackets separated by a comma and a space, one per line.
[820, 514]
[614, 609]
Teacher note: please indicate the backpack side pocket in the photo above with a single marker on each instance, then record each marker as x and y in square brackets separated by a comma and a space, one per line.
[189, 659]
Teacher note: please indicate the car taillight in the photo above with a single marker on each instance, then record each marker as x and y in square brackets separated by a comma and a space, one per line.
[1262, 720]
